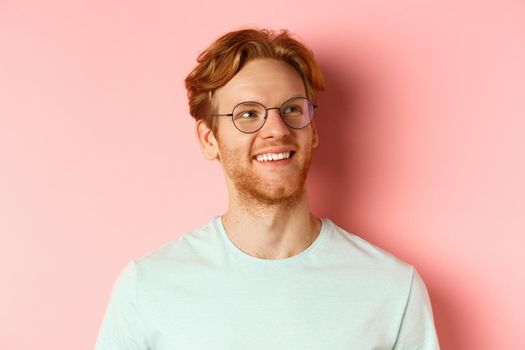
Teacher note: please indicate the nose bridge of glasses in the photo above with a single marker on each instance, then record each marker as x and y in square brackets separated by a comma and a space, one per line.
[276, 108]
[278, 112]
[279, 119]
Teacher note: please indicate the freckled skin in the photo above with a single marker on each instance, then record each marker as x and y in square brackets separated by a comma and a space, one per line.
[252, 183]
[250, 187]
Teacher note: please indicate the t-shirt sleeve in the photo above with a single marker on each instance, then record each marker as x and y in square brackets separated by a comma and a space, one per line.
[417, 329]
[121, 328]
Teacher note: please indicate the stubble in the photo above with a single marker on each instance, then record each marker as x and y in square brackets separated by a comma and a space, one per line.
[253, 191]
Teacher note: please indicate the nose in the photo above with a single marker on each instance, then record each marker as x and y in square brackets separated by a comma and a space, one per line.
[274, 127]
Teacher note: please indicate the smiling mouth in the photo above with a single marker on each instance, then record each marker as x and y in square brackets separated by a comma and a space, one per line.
[270, 157]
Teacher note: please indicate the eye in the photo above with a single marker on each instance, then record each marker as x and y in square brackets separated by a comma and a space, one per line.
[246, 114]
[248, 111]
[292, 109]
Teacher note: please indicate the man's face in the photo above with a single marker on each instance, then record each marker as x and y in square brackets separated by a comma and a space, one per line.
[269, 82]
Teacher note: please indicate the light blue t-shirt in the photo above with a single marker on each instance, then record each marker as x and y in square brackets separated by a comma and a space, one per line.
[201, 292]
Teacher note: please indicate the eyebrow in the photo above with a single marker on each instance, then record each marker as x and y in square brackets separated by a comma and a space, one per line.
[280, 104]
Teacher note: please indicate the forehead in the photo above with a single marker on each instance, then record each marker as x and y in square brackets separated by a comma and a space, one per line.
[266, 80]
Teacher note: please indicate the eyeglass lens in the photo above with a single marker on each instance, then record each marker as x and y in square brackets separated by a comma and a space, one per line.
[296, 113]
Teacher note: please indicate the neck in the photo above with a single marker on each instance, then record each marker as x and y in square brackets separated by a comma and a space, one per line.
[271, 231]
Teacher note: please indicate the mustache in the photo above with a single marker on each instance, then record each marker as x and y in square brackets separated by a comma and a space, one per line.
[278, 144]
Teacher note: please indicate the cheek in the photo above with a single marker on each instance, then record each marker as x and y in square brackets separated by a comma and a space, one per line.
[233, 152]
[313, 135]
[308, 139]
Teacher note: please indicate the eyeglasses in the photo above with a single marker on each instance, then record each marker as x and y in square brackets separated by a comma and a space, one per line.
[249, 117]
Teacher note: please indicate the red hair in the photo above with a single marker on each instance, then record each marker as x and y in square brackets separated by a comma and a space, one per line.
[228, 54]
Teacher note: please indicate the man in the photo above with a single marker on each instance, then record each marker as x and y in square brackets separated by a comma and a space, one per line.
[267, 274]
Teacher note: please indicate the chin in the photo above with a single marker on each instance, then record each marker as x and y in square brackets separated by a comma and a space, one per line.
[267, 190]
[273, 196]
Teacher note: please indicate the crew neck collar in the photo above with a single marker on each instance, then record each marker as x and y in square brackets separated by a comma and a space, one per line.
[292, 259]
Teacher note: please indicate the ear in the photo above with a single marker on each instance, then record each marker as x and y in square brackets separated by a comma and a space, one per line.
[315, 137]
[207, 140]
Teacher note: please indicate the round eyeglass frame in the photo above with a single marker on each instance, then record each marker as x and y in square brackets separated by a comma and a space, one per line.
[314, 106]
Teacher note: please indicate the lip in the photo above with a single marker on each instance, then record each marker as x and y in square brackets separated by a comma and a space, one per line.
[275, 150]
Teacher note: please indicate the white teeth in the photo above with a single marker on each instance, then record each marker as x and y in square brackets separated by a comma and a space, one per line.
[272, 156]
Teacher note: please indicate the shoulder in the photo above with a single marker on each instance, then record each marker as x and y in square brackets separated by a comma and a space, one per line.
[189, 249]
[365, 258]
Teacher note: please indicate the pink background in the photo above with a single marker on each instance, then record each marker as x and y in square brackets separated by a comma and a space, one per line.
[422, 149]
